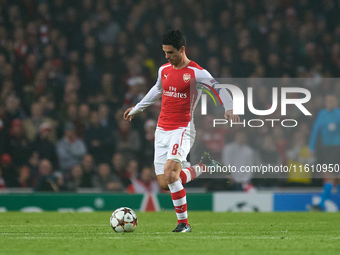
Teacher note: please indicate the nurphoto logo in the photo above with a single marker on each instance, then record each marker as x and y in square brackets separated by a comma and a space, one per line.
[239, 105]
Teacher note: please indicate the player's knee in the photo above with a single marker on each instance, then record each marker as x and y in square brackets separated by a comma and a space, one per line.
[162, 182]
[170, 175]
[164, 186]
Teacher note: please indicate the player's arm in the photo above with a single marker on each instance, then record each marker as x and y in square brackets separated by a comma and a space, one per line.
[228, 105]
[314, 134]
[154, 94]
[205, 77]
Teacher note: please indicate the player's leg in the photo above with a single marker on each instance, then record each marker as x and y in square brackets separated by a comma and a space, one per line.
[338, 185]
[162, 182]
[179, 146]
[336, 171]
[329, 156]
[186, 174]
[189, 173]
[161, 152]
[326, 192]
[172, 171]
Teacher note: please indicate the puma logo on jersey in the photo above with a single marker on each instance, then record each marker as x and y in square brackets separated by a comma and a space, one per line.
[166, 76]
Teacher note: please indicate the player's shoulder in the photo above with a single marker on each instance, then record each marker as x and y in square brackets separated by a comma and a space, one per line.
[200, 72]
[337, 110]
[164, 66]
[193, 64]
[322, 112]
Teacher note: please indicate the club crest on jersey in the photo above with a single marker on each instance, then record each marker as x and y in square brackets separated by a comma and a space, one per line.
[186, 77]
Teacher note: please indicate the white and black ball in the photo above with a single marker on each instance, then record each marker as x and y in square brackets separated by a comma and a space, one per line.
[123, 219]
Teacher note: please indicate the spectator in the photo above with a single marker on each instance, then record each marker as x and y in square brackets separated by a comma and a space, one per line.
[239, 154]
[108, 29]
[110, 92]
[24, 179]
[2, 180]
[148, 141]
[88, 170]
[126, 138]
[70, 149]
[268, 156]
[83, 120]
[6, 90]
[98, 140]
[9, 173]
[298, 156]
[106, 180]
[91, 75]
[105, 117]
[47, 181]
[145, 184]
[32, 124]
[213, 137]
[281, 144]
[30, 68]
[76, 179]
[3, 135]
[118, 165]
[135, 92]
[132, 169]
[44, 146]
[18, 145]
[12, 109]
[268, 152]
[198, 148]
[48, 105]
[108, 60]
[33, 164]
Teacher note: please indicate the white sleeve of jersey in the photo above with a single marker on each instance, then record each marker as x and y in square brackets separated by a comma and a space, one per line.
[154, 94]
[205, 77]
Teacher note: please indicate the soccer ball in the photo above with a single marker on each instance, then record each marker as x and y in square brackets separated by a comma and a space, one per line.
[123, 219]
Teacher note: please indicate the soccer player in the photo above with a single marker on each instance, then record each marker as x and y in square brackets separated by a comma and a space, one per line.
[327, 124]
[175, 131]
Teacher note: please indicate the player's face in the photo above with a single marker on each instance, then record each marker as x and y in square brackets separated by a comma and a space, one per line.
[331, 102]
[173, 55]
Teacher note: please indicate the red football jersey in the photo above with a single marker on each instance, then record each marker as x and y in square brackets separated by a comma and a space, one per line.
[177, 102]
[177, 87]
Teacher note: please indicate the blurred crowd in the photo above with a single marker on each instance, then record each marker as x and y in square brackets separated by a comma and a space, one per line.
[69, 69]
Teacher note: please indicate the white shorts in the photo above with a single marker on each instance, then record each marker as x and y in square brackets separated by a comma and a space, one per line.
[174, 145]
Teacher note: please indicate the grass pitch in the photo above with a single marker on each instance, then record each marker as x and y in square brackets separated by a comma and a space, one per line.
[213, 233]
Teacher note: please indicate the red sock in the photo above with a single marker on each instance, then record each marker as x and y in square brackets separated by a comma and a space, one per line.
[179, 200]
[190, 173]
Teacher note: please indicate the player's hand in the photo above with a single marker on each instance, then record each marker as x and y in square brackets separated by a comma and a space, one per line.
[126, 114]
[231, 117]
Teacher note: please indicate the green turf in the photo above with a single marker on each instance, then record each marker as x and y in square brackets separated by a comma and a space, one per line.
[213, 233]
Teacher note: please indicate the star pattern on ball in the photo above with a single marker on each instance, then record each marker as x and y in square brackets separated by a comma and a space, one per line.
[134, 222]
[126, 210]
[123, 219]
[121, 222]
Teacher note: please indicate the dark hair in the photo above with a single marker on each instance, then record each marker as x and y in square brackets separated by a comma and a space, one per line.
[174, 38]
